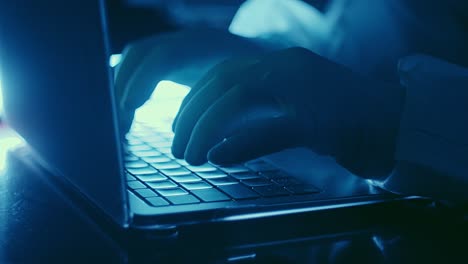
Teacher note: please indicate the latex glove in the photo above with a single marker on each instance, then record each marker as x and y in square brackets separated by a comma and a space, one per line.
[247, 108]
[182, 57]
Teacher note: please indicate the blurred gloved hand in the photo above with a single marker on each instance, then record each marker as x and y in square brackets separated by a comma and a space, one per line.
[245, 108]
[182, 57]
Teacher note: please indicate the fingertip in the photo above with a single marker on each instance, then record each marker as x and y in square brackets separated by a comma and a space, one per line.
[223, 154]
[215, 156]
[179, 143]
[177, 151]
[195, 155]
[195, 160]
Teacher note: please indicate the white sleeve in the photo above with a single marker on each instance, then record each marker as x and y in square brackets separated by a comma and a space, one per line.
[432, 148]
[366, 36]
[291, 22]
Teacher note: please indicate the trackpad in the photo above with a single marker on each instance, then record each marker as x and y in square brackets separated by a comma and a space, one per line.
[321, 171]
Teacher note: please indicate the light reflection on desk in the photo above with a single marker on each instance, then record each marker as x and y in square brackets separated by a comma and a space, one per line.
[8, 140]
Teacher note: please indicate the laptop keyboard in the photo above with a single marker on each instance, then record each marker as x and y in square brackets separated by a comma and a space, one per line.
[160, 179]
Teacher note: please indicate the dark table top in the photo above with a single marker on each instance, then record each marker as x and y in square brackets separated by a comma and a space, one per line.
[37, 225]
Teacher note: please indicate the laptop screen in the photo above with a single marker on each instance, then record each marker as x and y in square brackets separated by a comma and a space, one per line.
[57, 93]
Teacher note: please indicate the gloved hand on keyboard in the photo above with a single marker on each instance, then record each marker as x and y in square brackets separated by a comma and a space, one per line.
[245, 108]
[182, 57]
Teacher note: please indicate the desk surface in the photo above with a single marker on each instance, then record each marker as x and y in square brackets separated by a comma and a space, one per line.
[38, 226]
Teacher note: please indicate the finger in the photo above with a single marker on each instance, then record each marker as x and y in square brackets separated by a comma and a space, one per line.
[192, 112]
[199, 103]
[225, 68]
[138, 96]
[132, 56]
[236, 108]
[206, 80]
[144, 79]
[255, 140]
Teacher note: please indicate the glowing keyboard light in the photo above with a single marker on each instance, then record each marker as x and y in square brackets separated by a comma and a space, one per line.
[161, 108]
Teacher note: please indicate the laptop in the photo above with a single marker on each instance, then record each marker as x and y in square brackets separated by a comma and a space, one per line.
[59, 97]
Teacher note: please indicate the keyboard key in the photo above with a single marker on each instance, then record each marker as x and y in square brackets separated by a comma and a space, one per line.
[157, 201]
[222, 181]
[140, 131]
[168, 135]
[142, 171]
[271, 190]
[165, 150]
[156, 159]
[245, 175]
[146, 193]
[302, 188]
[287, 181]
[202, 168]
[152, 177]
[211, 174]
[182, 162]
[257, 182]
[130, 177]
[166, 165]
[210, 195]
[129, 136]
[147, 154]
[233, 168]
[183, 199]
[138, 148]
[260, 165]
[172, 191]
[160, 144]
[129, 157]
[169, 155]
[155, 142]
[176, 172]
[186, 178]
[135, 164]
[133, 142]
[162, 184]
[135, 185]
[275, 174]
[196, 185]
[153, 139]
[238, 191]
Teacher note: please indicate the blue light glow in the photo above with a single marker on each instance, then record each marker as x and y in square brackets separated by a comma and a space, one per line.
[8, 140]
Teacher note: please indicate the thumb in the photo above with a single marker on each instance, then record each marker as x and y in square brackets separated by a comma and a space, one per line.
[257, 139]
